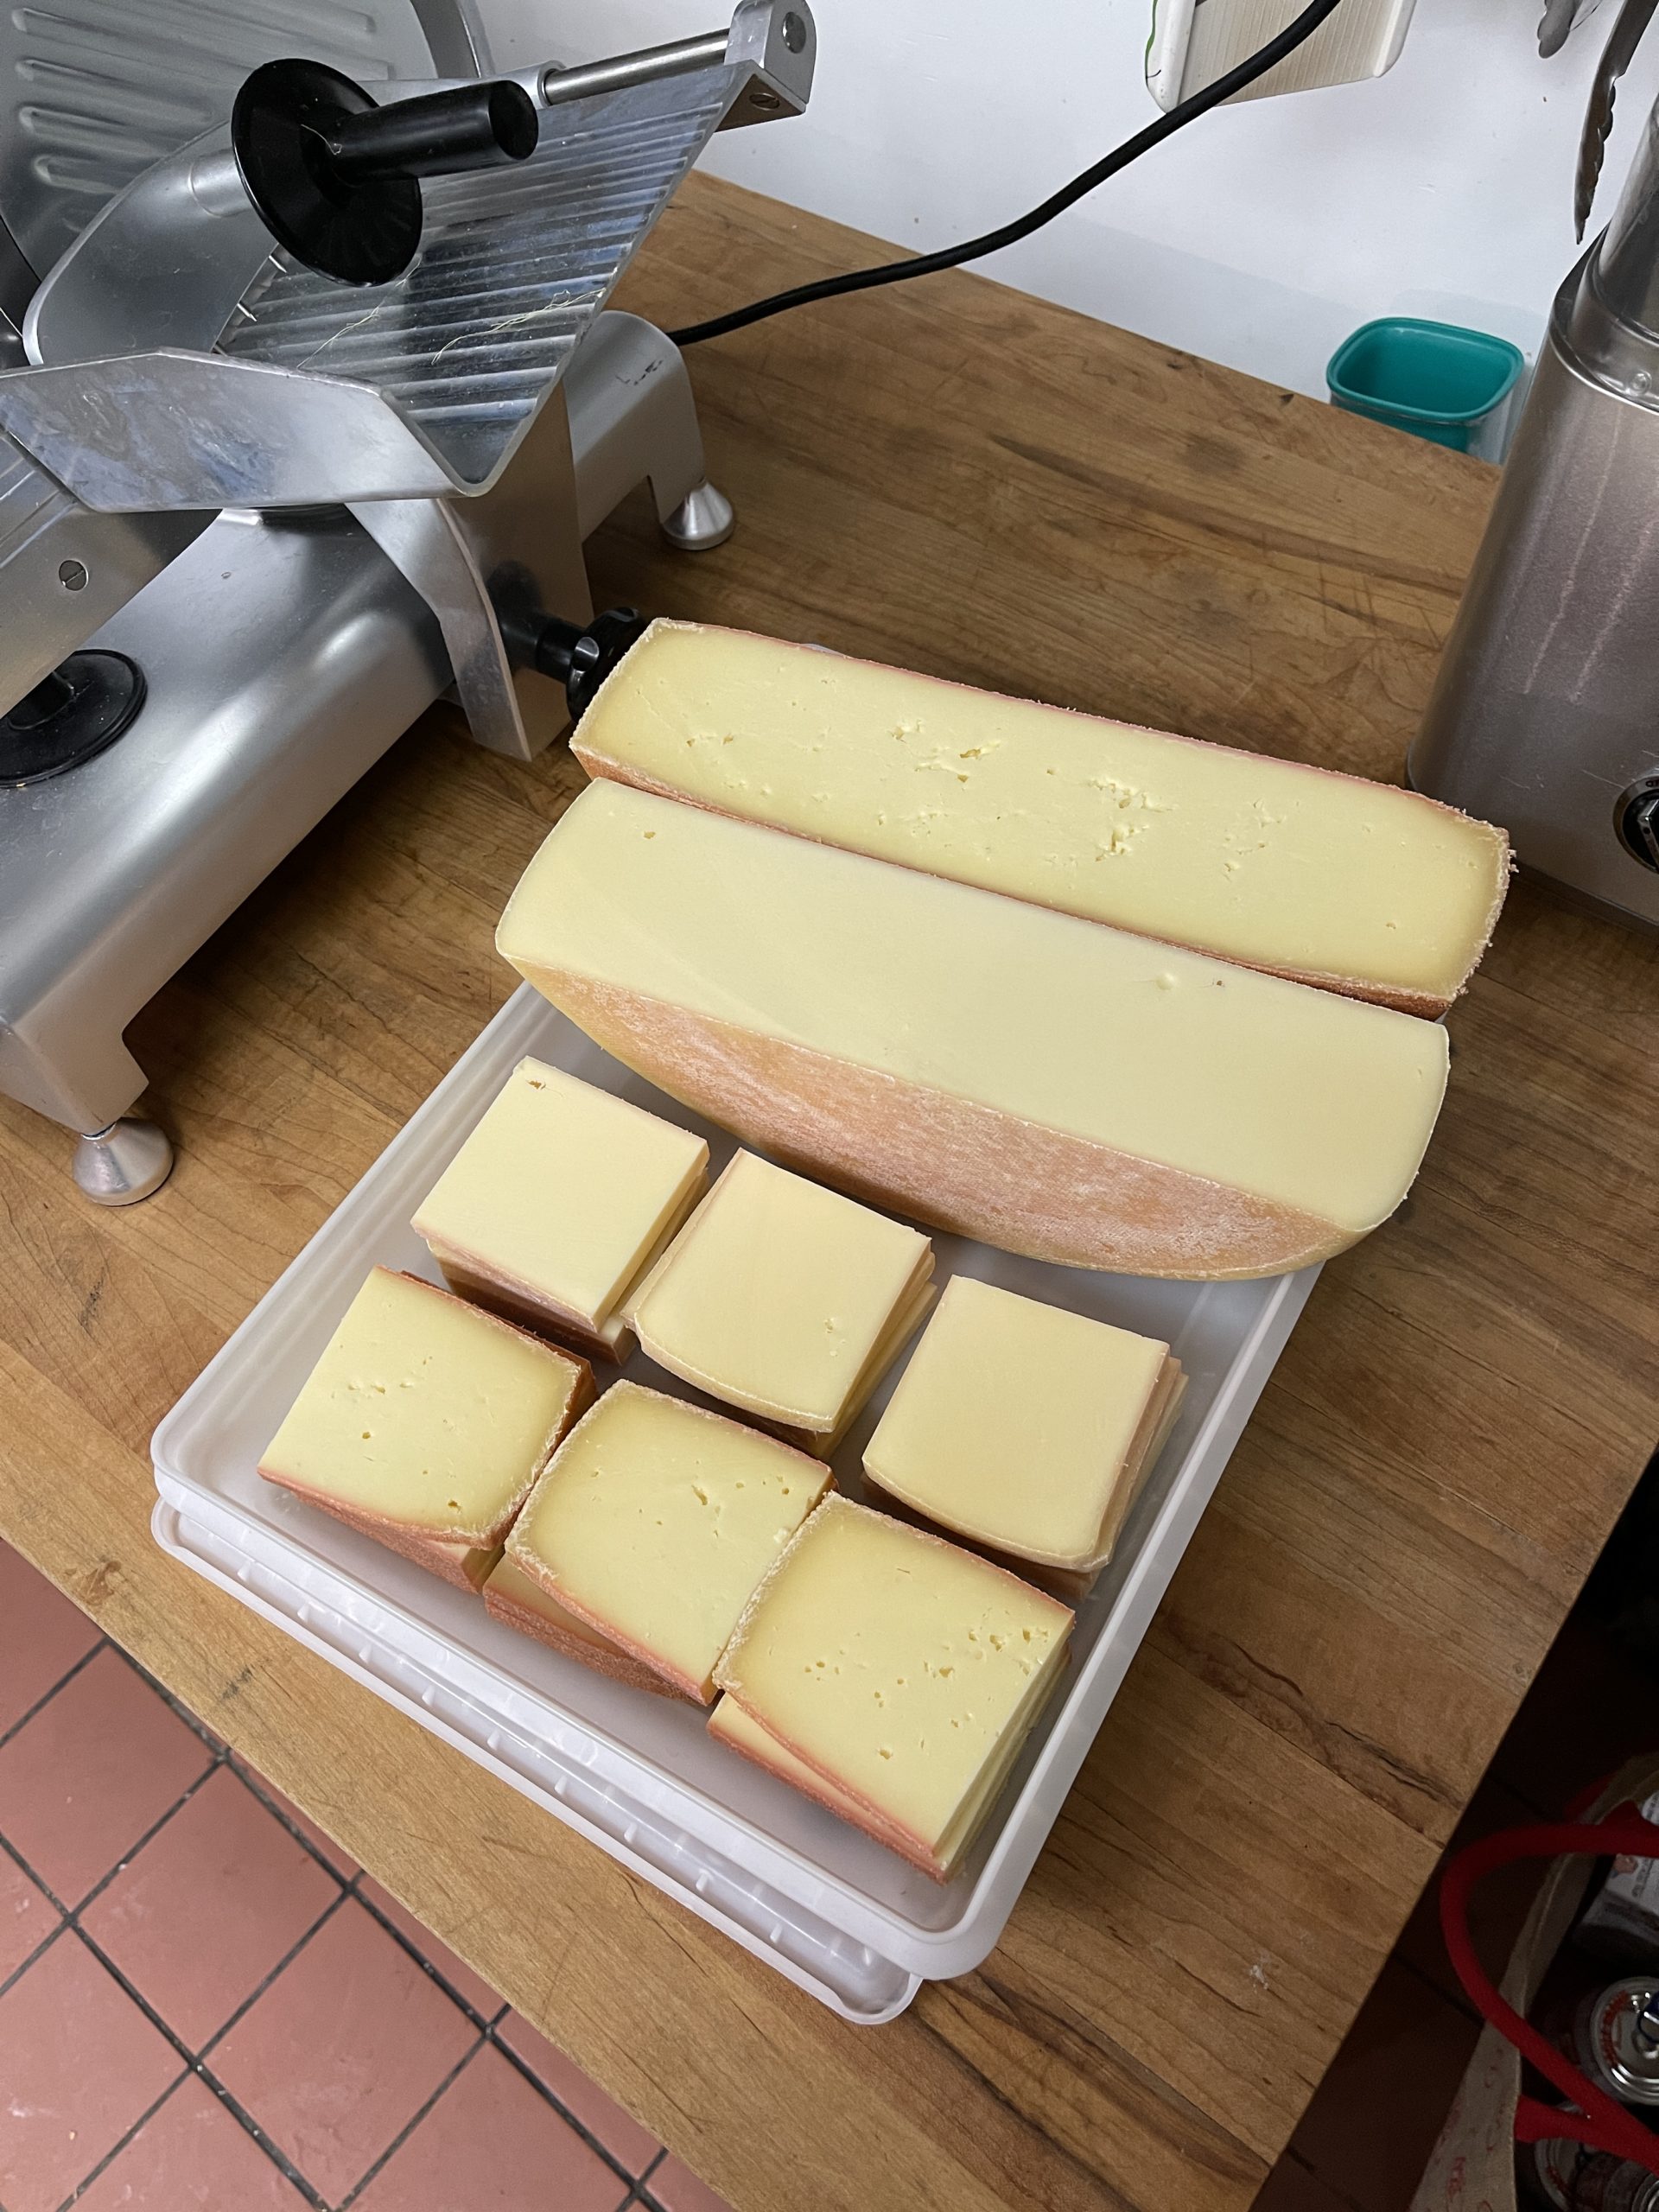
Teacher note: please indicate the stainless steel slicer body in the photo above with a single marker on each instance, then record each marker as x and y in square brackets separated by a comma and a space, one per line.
[287, 511]
[1545, 711]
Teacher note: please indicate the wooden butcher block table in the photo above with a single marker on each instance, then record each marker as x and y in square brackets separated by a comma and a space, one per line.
[958, 479]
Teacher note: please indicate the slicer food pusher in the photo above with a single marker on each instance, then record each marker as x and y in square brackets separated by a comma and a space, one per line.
[309, 398]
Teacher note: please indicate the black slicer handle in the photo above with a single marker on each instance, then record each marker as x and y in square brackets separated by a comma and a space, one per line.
[334, 177]
[442, 133]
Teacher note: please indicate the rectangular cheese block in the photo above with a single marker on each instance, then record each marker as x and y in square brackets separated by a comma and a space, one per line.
[783, 1299]
[1060, 1089]
[900, 1670]
[511, 1596]
[1023, 1426]
[426, 1423]
[654, 1523]
[555, 1203]
[1357, 886]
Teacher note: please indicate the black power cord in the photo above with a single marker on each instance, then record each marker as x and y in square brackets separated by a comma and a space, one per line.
[951, 257]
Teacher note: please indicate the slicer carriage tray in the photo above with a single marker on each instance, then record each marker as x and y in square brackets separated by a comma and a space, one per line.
[639, 1775]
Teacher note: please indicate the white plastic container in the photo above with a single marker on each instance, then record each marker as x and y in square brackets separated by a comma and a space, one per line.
[823, 1903]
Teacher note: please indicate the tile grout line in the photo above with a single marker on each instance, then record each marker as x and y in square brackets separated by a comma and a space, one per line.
[253, 1781]
[23, 1719]
[176, 1706]
[250, 2127]
[131, 1852]
[116, 2149]
[407, 1944]
[281, 1966]
[569, 2118]
[223, 1755]
[410, 2125]
[39, 1951]
[192, 2065]
[226, 1755]
[487, 2029]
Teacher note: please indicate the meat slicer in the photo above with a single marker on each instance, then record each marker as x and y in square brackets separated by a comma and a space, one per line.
[309, 398]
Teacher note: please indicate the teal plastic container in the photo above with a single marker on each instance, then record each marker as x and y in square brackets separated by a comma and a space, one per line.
[1455, 387]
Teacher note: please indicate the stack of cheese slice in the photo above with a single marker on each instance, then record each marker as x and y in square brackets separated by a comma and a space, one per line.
[1355, 885]
[561, 1198]
[513, 1596]
[1045, 1083]
[892, 1677]
[785, 1299]
[425, 1424]
[648, 1533]
[1026, 1428]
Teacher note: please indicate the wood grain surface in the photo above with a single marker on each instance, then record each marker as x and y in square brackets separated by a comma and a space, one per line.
[954, 477]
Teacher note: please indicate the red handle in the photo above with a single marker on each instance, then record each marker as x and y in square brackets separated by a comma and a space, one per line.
[1600, 2122]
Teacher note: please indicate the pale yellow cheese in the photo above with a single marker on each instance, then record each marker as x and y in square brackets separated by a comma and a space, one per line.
[1015, 1422]
[654, 1522]
[729, 1724]
[561, 1194]
[507, 1579]
[1044, 1083]
[897, 1668]
[779, 1296]
[426, 1414]
[1286, 868]
[908, 1317]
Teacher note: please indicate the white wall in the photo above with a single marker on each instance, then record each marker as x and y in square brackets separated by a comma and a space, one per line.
[1260, 236]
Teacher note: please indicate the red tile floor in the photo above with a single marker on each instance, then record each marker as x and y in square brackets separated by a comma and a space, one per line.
[205, 2006]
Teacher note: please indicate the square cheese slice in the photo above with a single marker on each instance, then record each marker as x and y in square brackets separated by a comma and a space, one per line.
[785, 1299]
[654, 1523]
[425, 1424]
[559, 1199]
[892, 1676]
[1024, 1426]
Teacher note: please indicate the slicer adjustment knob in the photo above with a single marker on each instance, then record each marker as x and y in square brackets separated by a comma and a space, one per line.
[580, 658]
[334, 177]
[1637, 822]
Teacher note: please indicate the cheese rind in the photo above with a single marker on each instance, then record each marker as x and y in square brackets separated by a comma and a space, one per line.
[783, 1298]
[426, 1422]
[1048, 1085]
[1021, 1426]
[559, 1197]
[899, 1669]
[1358, 887]
[654, 1522]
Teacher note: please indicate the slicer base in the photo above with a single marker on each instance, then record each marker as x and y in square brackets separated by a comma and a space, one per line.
[283, 657]
[702, 520]
[119, 1165]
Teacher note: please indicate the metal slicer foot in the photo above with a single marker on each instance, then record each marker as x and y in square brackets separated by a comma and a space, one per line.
[119, 1165]
[702, 520]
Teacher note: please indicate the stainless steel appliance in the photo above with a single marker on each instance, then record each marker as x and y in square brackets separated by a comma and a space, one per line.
[1545, 713]
[308, 397]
